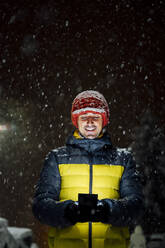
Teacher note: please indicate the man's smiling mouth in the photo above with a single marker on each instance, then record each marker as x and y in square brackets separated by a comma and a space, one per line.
[90, 129]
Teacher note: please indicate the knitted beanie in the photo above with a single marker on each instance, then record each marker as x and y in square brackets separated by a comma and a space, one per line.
[89, 101]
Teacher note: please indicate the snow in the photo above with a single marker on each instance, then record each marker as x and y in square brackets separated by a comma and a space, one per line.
[3, 222]
[15, 237]
[91, 93]
[123, 150]
[19, 232]
[66, 23]
[138, 239]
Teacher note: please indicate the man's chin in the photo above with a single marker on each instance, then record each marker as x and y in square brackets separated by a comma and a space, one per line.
[91, 136]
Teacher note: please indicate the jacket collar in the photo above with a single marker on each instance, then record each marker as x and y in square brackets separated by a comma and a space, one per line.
[90, 145]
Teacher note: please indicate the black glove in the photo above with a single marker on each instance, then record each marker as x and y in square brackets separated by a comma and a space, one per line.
[101, 213]
[76, 213]
[72, 212]
[85, 213]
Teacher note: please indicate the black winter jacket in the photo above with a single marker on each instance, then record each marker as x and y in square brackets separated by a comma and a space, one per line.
[122, 212]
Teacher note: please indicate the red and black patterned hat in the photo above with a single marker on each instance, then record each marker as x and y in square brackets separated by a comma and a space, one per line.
[90, 101]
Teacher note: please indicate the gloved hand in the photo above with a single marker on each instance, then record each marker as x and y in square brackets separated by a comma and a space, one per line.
[100, 214]
[76, 213]
[72, 212]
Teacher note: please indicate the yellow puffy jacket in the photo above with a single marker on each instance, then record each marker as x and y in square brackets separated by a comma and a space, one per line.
[95, 167]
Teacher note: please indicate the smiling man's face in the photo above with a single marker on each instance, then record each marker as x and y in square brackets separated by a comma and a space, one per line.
[90, 125]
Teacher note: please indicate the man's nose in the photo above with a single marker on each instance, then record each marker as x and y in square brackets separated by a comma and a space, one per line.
[90, 120]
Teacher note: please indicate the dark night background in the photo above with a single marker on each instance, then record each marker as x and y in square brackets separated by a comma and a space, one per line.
[52, 50]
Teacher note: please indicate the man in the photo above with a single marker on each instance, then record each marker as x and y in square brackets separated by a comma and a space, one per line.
[89, 191]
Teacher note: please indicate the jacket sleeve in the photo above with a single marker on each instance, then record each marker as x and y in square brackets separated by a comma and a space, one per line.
[125, 211]
[46, 206]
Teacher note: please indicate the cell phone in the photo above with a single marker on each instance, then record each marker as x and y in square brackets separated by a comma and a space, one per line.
[87, 200]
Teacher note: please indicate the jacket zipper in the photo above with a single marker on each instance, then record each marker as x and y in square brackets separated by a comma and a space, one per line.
[90, 192]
